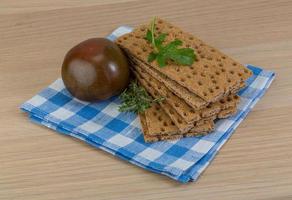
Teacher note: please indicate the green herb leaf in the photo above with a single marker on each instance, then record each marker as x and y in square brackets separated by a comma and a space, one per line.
[161, 60]
[163, 53]
[152, 56]
[160, 39]
[148, 36]
[136, 99]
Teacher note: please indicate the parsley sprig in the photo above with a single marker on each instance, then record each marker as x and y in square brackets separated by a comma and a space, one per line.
[136, 99]
[171, 51]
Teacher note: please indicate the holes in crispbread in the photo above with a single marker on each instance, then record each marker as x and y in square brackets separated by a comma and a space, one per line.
[157, 108]
[165, 124]
[159, 118]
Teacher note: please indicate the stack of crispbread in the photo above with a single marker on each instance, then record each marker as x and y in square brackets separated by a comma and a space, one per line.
[194, 95]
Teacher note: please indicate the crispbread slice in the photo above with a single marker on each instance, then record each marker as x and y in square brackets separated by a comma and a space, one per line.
[213, 74]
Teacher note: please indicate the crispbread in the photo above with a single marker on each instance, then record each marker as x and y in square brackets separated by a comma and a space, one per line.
[158, 122]
[192, 99]
[195, 102]
[210, 77]
[173, 109]
[159, 90]
[170, 134]
[227, 112]
[185, 112]
[157, 125]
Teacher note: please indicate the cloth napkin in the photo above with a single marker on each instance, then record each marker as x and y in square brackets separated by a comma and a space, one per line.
[103, 126]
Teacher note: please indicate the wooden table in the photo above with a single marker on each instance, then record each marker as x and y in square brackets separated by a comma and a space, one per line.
[37, 163]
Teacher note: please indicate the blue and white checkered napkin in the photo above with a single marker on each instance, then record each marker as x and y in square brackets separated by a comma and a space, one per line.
[104, 127]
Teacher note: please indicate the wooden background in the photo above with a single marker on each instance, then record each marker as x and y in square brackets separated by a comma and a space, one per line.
[36, 163]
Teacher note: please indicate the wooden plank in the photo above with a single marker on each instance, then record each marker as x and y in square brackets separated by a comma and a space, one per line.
[36, 163]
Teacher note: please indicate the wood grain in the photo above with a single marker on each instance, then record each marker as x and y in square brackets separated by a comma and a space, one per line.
[36, 163]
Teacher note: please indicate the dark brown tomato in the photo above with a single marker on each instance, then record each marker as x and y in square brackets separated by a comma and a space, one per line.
[95, 69]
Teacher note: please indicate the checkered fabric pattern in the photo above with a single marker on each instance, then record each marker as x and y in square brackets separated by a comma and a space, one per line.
[103, 126]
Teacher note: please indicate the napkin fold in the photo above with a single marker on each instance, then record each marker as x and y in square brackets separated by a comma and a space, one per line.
[103, 126]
